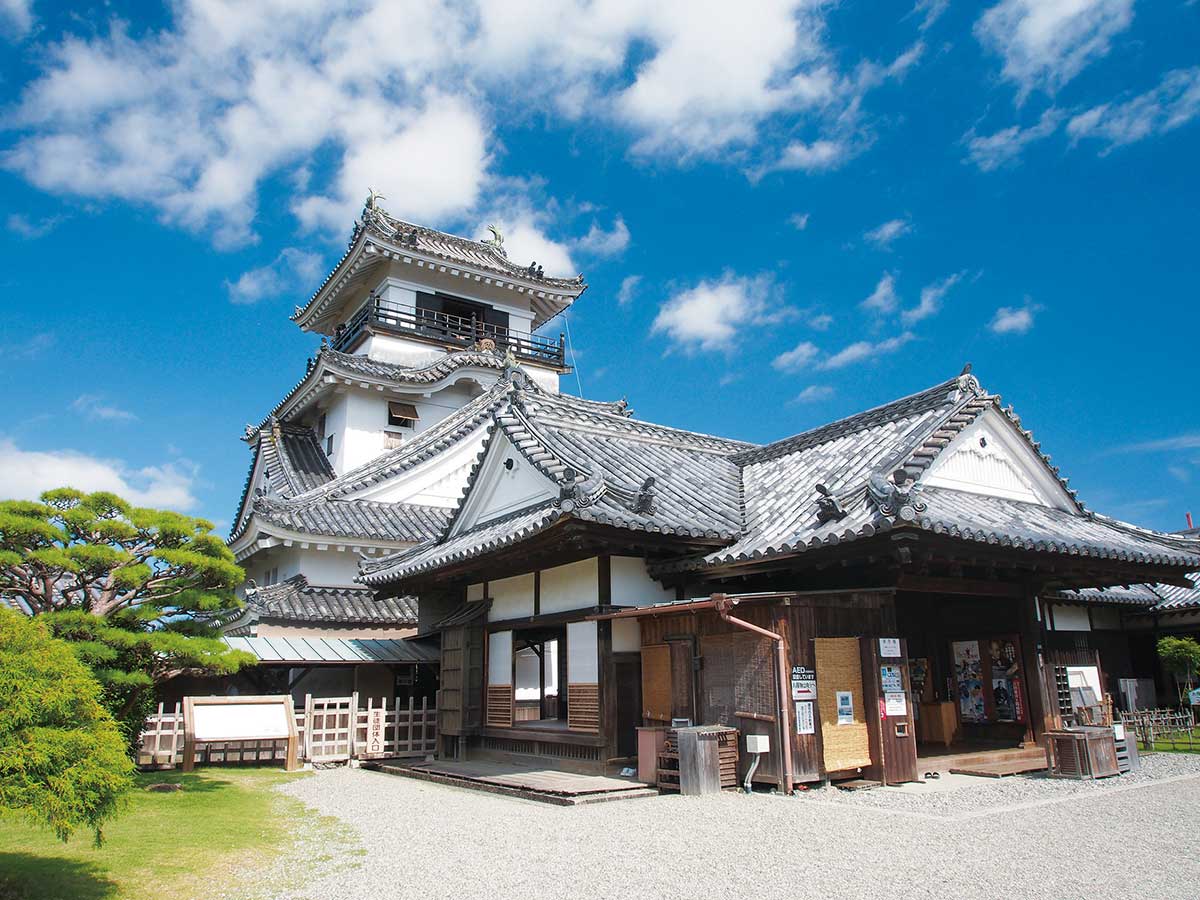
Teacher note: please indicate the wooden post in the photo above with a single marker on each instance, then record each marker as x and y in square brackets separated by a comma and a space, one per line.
[353, 738]
[1040, 717]
[308, 726]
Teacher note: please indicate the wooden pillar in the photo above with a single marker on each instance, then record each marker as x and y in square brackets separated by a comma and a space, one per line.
[1041, 717]
[607, 669]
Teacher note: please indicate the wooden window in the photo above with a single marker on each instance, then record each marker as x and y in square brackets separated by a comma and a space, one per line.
[329, 445]
[402, 415]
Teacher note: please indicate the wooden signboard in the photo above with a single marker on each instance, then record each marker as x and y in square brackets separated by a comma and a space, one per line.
[208, 720]
[656, 682]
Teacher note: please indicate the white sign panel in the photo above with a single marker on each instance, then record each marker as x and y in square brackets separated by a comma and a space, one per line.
[845, 708]
[805, 723]
[895, 704]
[804, 683]
[239, 721]
[376, 718]
[889, 647]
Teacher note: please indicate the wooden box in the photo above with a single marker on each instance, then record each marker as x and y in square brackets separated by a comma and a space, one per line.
[938, 724]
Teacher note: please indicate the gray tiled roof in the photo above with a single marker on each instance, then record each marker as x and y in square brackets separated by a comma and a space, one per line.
[366, 519]
[764, 501]
[1142, 595]
[461, 424]
[1175, 598]
[298, 601]
[349, 365]
[610, 469]
[294, 462]
[392, 237]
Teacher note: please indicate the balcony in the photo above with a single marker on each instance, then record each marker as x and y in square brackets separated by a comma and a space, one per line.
[445, 330]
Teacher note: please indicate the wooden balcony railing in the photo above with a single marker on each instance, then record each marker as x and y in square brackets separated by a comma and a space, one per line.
[447, 330]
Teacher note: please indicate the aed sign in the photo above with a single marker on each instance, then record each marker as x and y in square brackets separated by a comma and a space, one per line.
[804, 683]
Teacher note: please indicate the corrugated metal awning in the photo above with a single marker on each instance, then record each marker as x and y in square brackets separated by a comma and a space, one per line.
[333, 651]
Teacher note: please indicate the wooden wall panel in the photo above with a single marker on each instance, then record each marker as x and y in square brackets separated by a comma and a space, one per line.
[583, 707]
[656, 682]
[500, 706]
[839, 668]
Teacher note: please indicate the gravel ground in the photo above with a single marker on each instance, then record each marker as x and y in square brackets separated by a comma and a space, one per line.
[1019, 837]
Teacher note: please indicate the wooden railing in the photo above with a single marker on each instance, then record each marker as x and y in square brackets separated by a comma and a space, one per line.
[444, 328]
[408, 730]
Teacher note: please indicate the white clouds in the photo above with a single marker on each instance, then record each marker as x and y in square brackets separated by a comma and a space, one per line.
[862, 351]
[599, 242]
[29, 228]
[931, 300]
[711, 315]
[1174, 102]
[814, 393]
[1046, 43]
[799, 221]
[404, 96]
[291, 270]
[990, 152]
[95, 408]
[930, 11]
[883, 299]
[1014, 319]
[26, 473]
[628, 289]
[798, 358]
[819, 321]
[1186, 441]
[16, 17]
[883, 235]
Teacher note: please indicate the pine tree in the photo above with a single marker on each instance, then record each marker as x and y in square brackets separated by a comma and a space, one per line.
[139, 593]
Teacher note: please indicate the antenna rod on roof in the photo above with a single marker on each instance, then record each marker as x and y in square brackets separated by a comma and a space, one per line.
[1189, 520]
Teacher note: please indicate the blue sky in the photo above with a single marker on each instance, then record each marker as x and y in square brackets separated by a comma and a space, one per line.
[787, 212]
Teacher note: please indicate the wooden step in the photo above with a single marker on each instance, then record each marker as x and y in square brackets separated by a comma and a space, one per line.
[1001, 769]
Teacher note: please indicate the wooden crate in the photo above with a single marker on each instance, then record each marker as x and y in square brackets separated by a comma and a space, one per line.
[727, 749]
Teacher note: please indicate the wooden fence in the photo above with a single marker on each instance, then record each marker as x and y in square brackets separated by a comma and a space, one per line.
[1163, 729]
[381, 730]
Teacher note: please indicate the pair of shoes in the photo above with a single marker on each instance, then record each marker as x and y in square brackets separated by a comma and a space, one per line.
[932, 776]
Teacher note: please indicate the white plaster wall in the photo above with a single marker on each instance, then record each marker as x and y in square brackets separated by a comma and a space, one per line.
[583, 653]
[500, 490]
[626, 636]
[573, 586]
[330, 567]
[1070, 618]
[475, 591]
[631, 586]
[1106, 618]
[500, 657]
[512, 598]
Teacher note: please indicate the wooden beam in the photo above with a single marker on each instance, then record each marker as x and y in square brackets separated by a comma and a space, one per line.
[927, 584]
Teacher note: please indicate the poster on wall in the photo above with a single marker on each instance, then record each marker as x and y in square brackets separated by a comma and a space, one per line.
[805, 721]
[804, 683]
[889, 647]
[895, 704]
[1004, 679]
[845, 708]
[968, 673]
[890, 678]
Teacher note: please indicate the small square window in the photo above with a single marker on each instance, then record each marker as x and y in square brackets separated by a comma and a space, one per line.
[329, 445]
[402, 415]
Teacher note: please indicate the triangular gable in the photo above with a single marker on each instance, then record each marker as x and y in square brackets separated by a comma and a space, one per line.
[505, 482]
[992, 457]
[438, 481]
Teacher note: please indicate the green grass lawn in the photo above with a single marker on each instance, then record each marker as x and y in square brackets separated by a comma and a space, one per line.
[204, 841]
[1177, 742]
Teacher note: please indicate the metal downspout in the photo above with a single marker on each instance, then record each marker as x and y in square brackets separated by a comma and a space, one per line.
[722, 604]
